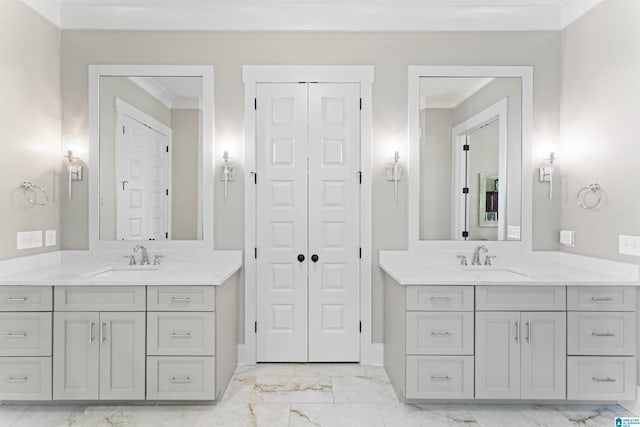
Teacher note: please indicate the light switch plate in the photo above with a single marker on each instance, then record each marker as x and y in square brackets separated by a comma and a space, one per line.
[629, 245]
[513, 232]
[29, 239]
[568, 238]
[50, 238]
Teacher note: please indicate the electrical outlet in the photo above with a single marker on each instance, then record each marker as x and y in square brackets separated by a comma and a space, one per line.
[629, 245]
[50, 238]
[29, 239]
[568, 238]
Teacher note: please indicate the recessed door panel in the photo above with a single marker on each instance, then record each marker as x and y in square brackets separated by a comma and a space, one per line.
[334, 231]
[281, 222]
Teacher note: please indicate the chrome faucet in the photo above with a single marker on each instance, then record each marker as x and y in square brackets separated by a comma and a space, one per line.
[476, 254]
[144, 257]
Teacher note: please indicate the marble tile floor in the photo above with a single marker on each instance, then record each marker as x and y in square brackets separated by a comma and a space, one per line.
[311, 395]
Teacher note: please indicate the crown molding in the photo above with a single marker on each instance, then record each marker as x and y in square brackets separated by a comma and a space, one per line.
[313, 15]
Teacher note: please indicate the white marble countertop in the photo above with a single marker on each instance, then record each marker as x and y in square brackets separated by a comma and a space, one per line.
[533, 268]
[73, 268]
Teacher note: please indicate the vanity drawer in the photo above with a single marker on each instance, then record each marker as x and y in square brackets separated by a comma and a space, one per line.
[521, 298]
[601, 298]
[601, 378]
[25, 378]
[440, 298]
[602, 334]
[25, 334]
[185, 333]
[180, 378]
[440, 333]
[181, 298]
[438, 377]
[99, 298]
[26, 298]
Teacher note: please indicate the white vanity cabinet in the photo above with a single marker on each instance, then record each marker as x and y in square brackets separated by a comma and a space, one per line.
[99, 355]
[25, 342]
[520, 354]
[602, 343]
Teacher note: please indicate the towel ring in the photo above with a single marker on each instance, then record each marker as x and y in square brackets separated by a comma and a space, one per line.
[589, 197]
[34, 194]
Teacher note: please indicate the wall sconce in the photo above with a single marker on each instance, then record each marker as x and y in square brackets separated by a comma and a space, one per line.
[546, 172]
[74, 171]
[394, 173]
[227, 173]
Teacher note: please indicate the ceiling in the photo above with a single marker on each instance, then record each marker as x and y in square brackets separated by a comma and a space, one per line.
[314, 15]
[448, 92]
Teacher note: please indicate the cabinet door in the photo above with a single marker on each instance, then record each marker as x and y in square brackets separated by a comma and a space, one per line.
[75, 356]
[498, 355]
[122, 355]
[544, 355]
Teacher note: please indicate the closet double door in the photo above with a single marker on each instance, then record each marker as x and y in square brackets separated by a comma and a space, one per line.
[308, 233]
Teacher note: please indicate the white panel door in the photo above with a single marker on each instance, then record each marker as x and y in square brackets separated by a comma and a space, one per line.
[544, 355]
[281, 167]
[334, 232]
[498, 355]
[142, 175]
[122, 356]
[76, 356]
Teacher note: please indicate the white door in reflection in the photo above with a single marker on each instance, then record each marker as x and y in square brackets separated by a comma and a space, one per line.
[142, 180]
[308, 233]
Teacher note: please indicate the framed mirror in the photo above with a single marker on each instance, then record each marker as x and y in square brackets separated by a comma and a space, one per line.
[470, 156]
[151, 156]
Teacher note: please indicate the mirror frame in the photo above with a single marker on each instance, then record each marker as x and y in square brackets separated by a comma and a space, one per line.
[206, 194]
[415, 73]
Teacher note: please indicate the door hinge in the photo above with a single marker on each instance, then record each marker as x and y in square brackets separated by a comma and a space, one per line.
[255, 103]
[360, 104]
[360, 252]
[465, 147]
[123, 129]
[167, 148]
[166, 235]
[360, 176]
[255, 253]
[166, 192]
[361, 327]
[465, 190]
[255, 327]
[255, 177]
[465, 234]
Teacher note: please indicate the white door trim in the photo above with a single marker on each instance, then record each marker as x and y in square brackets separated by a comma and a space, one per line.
[370, 353]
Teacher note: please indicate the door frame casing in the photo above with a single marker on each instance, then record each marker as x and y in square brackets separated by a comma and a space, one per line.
[370, 353]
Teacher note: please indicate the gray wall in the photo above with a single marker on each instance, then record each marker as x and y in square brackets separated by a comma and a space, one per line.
[601, 126]
[390, 53]
[30, 126]
[185, 168]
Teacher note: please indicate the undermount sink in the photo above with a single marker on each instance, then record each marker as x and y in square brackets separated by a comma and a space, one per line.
[122, 271]
[494, 273]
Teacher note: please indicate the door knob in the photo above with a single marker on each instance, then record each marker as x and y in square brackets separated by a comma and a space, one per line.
[300, 257]
[314, 258]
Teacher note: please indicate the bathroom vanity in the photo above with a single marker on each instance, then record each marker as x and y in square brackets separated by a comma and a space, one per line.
[96, 331]
[550, 329]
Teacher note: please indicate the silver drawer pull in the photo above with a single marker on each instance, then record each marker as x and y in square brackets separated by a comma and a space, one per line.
[17, 379]
[16, 335]
[180, 299]
[603, 380]
[15, 299]
[184, 380]
[441, 333]
[603, 334]
[600, 299]
[181, 334]
[440, 299]
[441, 378]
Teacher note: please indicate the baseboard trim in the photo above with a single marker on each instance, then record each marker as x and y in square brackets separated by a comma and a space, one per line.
[373, 355]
